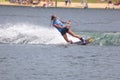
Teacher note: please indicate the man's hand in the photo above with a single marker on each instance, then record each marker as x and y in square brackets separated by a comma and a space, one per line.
[68, 24]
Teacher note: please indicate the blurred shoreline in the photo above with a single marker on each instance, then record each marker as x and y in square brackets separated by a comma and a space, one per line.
[62, 5]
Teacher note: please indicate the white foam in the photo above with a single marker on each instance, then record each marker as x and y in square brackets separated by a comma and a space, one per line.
[30, 34]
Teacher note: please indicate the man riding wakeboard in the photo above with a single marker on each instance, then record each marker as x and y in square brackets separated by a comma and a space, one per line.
[64, 27]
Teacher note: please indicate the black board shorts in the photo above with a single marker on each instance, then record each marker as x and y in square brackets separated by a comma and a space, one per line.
[64, 31]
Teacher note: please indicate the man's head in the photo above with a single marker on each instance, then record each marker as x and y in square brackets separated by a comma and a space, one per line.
[53, 17]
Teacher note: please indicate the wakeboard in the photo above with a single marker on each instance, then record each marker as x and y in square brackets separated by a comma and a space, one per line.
[87, 41]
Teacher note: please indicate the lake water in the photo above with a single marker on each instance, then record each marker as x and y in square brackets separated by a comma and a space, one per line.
[31, 49]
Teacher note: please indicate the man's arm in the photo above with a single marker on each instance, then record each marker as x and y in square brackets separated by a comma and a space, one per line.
[58, 26]
[65, 22]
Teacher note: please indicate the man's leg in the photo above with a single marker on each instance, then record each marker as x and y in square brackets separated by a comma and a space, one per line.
[74, 35]
[66, 38]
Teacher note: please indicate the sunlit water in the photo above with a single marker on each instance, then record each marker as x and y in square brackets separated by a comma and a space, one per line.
[31, 49]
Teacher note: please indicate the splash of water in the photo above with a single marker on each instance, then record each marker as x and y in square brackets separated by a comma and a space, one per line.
[104, 38]
[32, 34]
[29, 34]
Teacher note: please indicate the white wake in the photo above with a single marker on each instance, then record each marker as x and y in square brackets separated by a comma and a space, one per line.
[29, 34]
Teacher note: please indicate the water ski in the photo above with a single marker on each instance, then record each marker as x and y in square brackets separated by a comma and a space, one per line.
[87, 41]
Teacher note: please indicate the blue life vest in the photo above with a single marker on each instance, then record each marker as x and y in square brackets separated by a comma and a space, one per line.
[58, 22]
